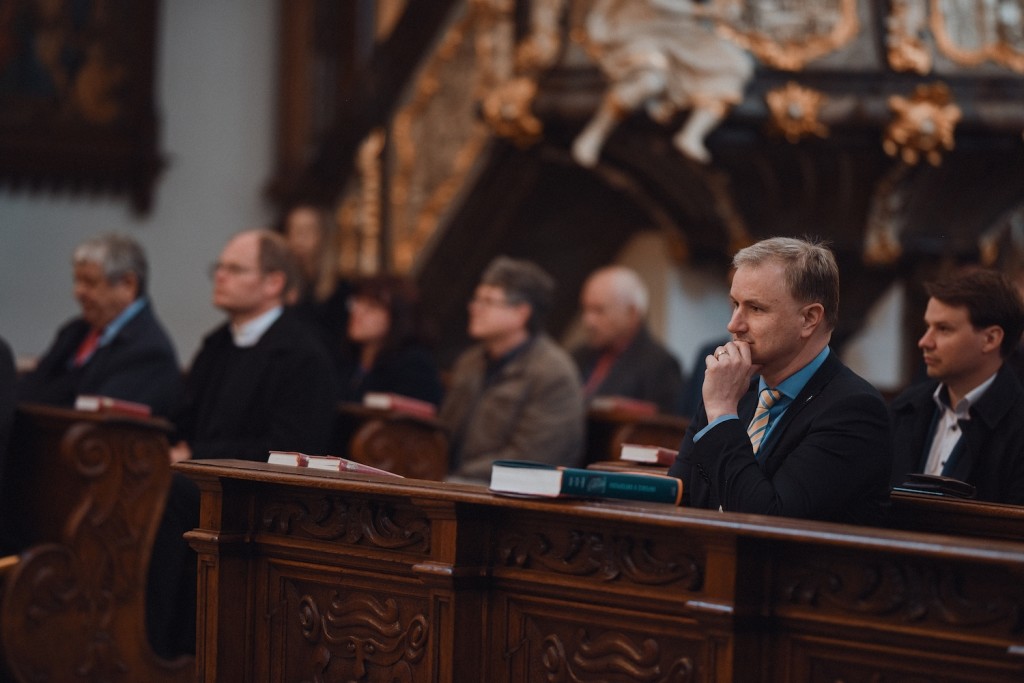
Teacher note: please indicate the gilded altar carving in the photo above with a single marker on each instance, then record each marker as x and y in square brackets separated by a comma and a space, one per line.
[351, 521]
[795, 109]
[604, 556]
[657, 55]
[788, 35]
[904, 36]
[972, 32]
[922, 125]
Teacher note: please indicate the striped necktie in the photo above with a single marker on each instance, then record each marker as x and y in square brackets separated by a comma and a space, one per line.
[759, 425]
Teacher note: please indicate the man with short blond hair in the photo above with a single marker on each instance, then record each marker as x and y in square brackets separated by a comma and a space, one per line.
[785, 428]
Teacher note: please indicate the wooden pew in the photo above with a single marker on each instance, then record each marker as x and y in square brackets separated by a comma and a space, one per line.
[83, 493]
[959, 517]
[334, 576]
[607, 430]
[390, 440]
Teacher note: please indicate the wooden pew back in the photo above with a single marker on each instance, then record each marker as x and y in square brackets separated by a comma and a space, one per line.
[84, 494]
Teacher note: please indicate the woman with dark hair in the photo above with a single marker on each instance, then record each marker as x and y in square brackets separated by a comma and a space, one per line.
[391, 354]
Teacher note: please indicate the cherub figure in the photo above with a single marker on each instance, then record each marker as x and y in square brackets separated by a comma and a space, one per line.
[656, 54]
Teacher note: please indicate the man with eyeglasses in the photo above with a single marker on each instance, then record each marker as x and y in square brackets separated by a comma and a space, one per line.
[116, 347]
[261, 381]
[515, 394]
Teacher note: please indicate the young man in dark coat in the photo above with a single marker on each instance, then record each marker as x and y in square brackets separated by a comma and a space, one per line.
[967, 420]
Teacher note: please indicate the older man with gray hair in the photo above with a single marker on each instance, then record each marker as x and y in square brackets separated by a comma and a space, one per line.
[516, 394]
[116, 347]
[620, 357]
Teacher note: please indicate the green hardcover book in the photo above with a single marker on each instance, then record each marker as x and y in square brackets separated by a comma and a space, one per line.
[523, 477]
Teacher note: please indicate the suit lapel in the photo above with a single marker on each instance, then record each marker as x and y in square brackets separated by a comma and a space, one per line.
[813, 387]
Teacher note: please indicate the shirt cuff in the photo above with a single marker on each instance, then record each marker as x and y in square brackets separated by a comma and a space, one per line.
[697, 437]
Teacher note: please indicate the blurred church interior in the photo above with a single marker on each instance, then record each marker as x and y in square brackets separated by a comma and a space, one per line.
[664, 134]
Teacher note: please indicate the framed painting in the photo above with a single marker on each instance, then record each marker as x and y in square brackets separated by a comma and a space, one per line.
[76, 97]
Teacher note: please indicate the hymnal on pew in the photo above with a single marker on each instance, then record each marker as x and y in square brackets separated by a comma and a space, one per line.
[400, 404]
[108, 404]
[539, 479]
[653, 455]
[332, 463]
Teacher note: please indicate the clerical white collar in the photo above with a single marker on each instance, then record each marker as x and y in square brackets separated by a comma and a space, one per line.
[249, 333]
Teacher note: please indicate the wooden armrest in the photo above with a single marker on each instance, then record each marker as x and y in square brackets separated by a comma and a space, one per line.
[7, 563]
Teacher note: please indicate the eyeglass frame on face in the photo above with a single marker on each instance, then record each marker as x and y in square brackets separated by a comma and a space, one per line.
[493, 303]
[232, 269]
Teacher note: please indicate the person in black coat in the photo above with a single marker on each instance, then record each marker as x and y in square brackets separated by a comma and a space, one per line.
[822, 448]
[262, 381]
[387, 332]
[621, 358]
[967, 420]
[116, 347]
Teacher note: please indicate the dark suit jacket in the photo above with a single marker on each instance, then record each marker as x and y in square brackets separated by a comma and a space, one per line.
[990, 454]
[409, 371]
[277, 395]
[645, 370]
[828, 457]
[139, 364]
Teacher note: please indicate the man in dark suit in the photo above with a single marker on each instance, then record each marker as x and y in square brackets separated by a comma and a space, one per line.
[967, 420]
[116, 347]
[818, 447]
[261, 381]
[621, 358]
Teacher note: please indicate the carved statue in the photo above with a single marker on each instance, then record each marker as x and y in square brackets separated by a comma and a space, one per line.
[657, 55]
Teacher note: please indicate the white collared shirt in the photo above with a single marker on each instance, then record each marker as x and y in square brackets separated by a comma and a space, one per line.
[947, 427]
[249, 333]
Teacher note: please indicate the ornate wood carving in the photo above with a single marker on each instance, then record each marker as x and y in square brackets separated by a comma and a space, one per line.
[606, 557]
[351, 521]
[73, 607]
[355, 636]
[904, 591]
[610, 656]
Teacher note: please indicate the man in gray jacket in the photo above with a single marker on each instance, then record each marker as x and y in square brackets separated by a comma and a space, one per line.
[516, 394]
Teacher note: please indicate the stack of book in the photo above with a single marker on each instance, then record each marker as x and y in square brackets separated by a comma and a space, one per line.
[521, 477]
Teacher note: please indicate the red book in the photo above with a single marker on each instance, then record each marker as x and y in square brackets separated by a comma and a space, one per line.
[623, 404]
[400, 404]
[107, 404]
[333, 463]
[654, 455]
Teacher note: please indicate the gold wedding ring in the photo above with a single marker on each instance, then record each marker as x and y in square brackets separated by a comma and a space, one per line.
[723, 352]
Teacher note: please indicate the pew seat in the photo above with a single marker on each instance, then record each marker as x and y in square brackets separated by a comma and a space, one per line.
[407, 445]
[82, 497]
[607, 430]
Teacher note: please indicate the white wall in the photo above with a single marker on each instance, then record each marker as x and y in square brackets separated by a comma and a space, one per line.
[216, 65]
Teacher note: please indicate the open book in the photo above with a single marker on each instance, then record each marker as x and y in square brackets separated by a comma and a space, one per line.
[333, 463]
